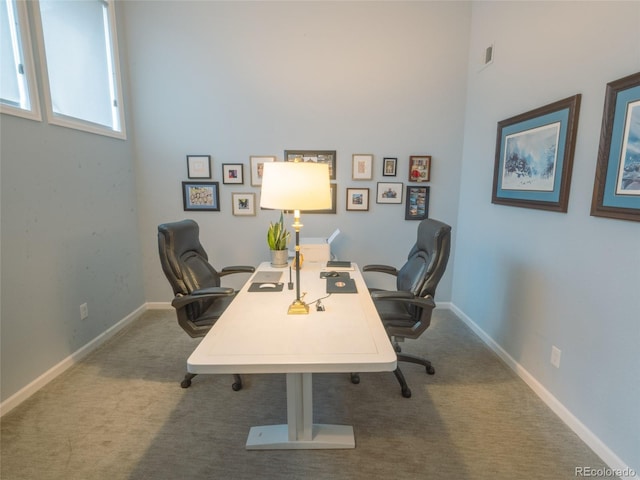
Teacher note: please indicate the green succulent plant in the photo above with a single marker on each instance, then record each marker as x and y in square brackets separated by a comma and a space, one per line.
[277, 235]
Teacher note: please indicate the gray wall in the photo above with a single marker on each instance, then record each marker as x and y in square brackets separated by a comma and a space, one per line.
[69, 236]
[255, 78]
[532, 279]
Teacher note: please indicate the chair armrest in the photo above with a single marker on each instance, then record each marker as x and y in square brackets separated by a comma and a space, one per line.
[236, 269]
[403, 297]
[198, 295]
[381, 269]
[391, 295]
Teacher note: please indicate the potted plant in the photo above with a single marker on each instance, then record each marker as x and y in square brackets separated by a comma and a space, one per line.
[278, 240]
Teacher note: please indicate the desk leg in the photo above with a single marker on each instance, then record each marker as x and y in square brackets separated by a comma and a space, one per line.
[300, 432]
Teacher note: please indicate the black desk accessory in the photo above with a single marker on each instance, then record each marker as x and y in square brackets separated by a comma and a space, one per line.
[290, 284]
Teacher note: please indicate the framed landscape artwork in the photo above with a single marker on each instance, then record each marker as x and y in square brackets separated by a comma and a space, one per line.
[616, 191]
[534, 157]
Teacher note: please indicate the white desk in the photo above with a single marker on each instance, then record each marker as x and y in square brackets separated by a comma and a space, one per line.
[256, 335]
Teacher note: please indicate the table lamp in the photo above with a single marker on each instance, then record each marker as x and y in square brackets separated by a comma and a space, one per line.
[296, 186]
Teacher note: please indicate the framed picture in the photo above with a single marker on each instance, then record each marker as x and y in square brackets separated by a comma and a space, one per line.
[389, 166]
[244, 204]
[233, 173]
[201, 196]
[257, 163]
[534, 157]
[417, 203]
[358, 199]
[362, 167]
[317, 156]
[389, 192]
[420, 168]
[616, 190]
[199, 166]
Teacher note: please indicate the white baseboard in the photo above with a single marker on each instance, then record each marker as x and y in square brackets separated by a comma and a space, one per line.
[24, 393]
[614, 462]
[159, 306]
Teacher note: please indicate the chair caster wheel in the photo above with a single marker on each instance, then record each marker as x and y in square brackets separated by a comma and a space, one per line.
[406, 392]
[185, 383]
[355, 378]
[431, 370]
[236, 386]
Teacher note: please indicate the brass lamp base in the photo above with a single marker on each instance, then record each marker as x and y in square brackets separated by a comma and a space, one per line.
[298, 307]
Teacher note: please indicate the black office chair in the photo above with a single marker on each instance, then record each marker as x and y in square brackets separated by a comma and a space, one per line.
[199, 299]
[406, 312]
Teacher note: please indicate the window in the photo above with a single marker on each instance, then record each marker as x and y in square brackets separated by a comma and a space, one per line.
[82, 78]
[18, 93]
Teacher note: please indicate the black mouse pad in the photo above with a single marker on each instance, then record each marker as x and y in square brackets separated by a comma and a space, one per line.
[341, 285]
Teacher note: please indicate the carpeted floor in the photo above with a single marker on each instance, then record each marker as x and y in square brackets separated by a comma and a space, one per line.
[121, 414]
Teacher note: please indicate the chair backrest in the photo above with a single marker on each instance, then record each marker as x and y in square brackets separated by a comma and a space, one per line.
[427, 260]
[184, 261]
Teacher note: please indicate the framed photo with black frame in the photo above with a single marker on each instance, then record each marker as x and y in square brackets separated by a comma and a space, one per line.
[389, 192]
[199, 166]
[616, 190]
[201, 196]
[316, 156]
[233, 173]
[389, 166]
[534, 157]
[417, 203]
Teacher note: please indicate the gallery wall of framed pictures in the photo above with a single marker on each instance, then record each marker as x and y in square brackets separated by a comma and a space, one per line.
[205, 195]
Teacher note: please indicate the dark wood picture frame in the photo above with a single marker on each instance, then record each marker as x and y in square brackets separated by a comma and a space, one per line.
[317, 156]
[616, 189]
[534, 157]
[358, 199]
[420, 168]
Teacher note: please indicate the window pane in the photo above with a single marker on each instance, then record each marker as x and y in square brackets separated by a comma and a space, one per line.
[79, 52]
[17, 84]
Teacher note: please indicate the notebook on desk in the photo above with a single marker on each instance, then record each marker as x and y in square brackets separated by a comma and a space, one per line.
[267, 277]
[341, 285]
[341, 265]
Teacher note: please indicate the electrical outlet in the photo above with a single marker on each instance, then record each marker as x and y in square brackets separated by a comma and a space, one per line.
[555, 356]
[84, 311]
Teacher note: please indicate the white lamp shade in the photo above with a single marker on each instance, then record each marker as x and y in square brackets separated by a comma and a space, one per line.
[295, 186]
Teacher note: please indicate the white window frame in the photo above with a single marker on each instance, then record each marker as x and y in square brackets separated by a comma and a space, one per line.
[115, 83]
[28, 67]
